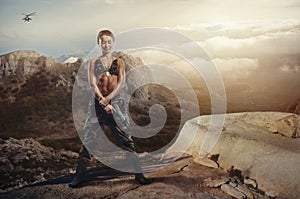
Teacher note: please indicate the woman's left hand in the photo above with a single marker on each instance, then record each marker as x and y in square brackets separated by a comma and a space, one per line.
[104, 102]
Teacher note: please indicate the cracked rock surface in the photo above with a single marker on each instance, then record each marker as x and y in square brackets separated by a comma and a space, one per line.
[182, 179]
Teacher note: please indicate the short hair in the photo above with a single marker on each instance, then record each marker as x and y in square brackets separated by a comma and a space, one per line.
[105, 32]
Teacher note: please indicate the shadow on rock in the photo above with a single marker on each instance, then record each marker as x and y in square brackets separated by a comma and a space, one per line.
[94, 174]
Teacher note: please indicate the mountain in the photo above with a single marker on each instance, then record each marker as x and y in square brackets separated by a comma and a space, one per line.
[36, 99]
[69, 58]
[19, 67]
[36, 96]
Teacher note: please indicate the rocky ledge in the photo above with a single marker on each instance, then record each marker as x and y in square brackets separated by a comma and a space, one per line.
[262, 147]
[253, 158]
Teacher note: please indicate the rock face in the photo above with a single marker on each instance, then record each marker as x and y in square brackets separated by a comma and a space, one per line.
[26, 161]
[249, 144]
[18, 66]
[18, 63]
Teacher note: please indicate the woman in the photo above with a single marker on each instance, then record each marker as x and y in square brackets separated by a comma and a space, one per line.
[107, 79]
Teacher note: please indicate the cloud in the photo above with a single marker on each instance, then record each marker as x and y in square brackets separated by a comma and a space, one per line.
[238, 29]
[290, 68]
[80, 19]
[276, 44]
[243, 49]
[261, 55]
[236, 64]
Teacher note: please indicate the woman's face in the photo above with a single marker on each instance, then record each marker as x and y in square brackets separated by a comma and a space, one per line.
[106, 43]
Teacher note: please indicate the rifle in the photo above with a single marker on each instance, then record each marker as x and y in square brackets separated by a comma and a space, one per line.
[123, 116]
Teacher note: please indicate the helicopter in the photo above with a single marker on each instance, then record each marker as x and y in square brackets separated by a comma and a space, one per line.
[27, 16]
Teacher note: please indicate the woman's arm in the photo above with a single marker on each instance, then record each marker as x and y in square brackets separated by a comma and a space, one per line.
[93, 80]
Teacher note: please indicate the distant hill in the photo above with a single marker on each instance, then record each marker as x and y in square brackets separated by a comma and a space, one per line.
[66, 57]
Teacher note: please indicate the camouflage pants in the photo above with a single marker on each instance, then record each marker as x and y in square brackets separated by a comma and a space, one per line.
[98, 117]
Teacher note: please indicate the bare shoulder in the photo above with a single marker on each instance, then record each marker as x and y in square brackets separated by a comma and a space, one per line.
[120, 60]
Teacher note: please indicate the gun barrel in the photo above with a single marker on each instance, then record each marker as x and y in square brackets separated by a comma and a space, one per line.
[119, 112]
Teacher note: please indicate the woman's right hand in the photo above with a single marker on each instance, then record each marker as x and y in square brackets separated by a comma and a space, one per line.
[109, 109]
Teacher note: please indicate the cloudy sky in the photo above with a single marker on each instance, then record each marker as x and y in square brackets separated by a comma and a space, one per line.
[246, 40]
[64, 26]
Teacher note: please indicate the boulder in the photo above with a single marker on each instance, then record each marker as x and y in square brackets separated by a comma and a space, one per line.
[247, 146]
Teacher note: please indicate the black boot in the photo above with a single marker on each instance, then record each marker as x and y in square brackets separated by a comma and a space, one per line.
[141, 179]
[139, 176]
[80, 175]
